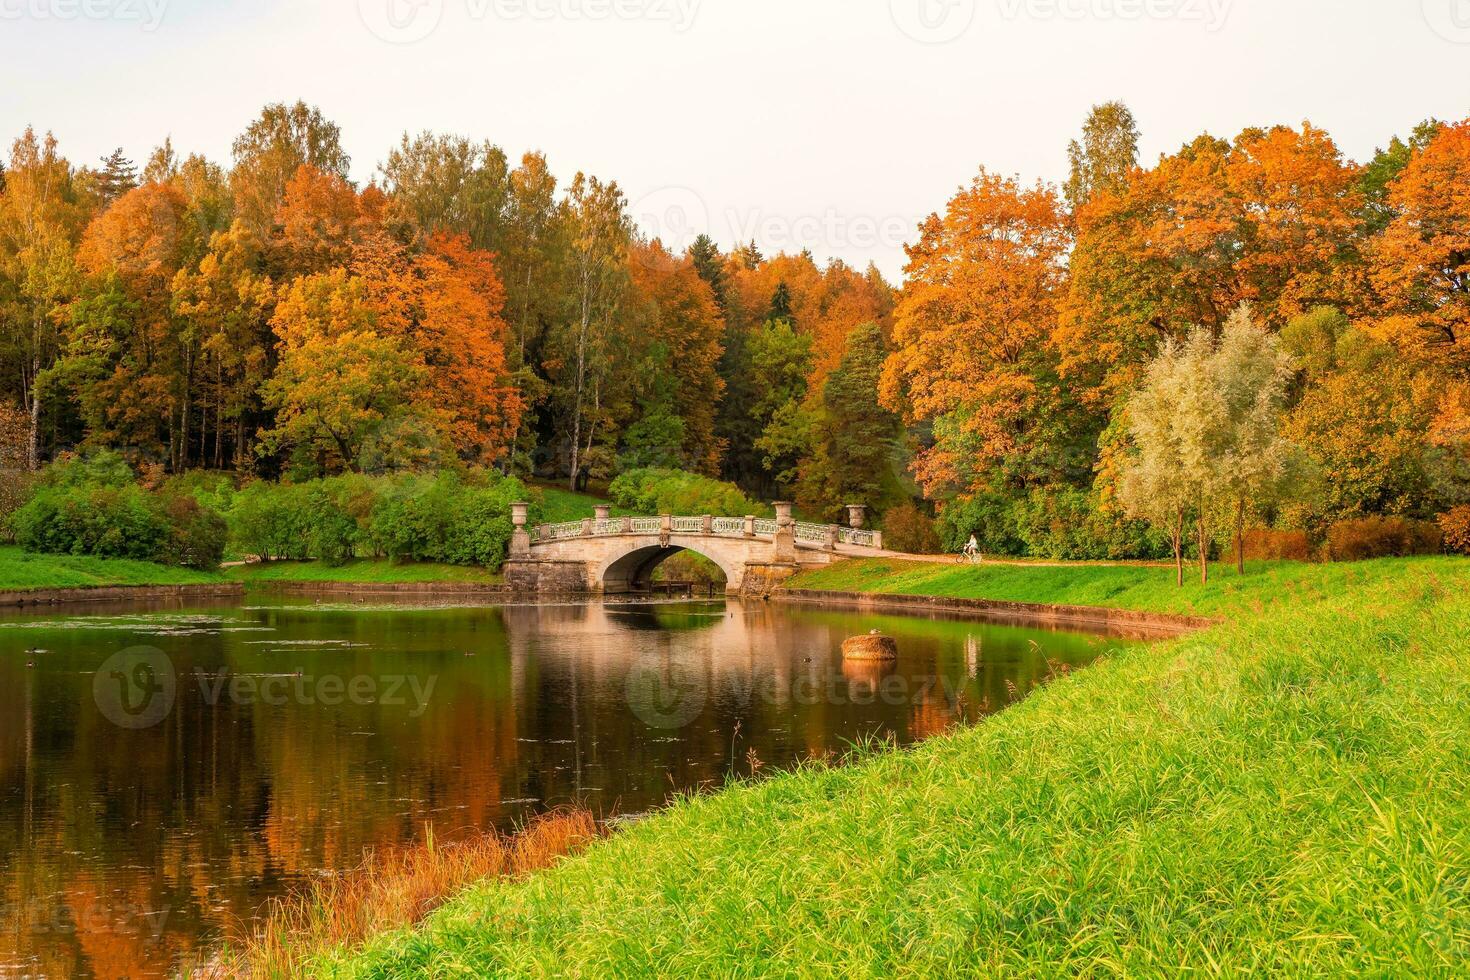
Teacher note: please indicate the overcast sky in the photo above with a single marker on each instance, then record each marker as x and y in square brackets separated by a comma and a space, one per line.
[828, 124]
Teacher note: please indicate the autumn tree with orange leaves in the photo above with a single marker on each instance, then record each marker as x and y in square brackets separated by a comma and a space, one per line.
[1420, 265]
[972, 329]
[1264, 219]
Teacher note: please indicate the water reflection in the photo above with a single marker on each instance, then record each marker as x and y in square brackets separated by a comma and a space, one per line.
[299, 734]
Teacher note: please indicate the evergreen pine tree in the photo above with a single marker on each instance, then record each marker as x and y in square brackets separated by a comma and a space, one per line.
[116, 178]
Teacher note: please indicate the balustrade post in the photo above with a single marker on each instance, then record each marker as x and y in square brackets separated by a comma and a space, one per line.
[832, 537]
[785, 549]
[627, 525]
[665, 529]
[750, 525]
[878, 540]
[520, 538]
[708, 523]
[587, 527]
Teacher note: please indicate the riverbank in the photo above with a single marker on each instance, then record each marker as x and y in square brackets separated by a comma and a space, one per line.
[34, 579]
[1281, 793]
[365, 572]
[1136, 587]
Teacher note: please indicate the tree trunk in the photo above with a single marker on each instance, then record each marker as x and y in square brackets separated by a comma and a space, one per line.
[1240, 536]
[33, 444]
[1204, 549]
[1177, 539]
[586, 316]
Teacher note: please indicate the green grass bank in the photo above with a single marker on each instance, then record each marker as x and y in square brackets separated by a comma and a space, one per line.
[360, 571]
[1141, 587]
[1283, 793]
[24, 571]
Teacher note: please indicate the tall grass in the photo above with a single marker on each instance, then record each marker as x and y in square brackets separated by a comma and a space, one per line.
[393, 888]
[1286, 794]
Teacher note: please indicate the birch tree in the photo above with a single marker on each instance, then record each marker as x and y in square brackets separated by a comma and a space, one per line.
[1253, 375]
[599, 233]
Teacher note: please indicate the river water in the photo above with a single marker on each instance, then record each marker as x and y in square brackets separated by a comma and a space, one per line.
[164, 771]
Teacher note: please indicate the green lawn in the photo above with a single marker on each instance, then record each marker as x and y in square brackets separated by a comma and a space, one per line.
[360, 571]
[1287, 793]
[23, 570]
[1265, 584]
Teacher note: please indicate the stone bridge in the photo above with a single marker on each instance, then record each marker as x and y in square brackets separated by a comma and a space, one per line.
[612, 555]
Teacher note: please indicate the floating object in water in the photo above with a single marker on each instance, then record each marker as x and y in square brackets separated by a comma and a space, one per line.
[874, 646]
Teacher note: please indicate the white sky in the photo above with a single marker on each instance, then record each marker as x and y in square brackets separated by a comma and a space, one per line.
[831, 124]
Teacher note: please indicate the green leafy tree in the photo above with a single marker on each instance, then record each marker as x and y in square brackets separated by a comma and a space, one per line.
[1253, 375]
[1177, 423]
[451, 183]
[780, 362]
[1108, 151]
[854, 438]
[583, 345]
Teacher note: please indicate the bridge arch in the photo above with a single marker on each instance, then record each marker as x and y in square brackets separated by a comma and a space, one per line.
[632, 570]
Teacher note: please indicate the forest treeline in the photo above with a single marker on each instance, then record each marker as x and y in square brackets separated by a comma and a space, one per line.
[270, 318]
[273, 319]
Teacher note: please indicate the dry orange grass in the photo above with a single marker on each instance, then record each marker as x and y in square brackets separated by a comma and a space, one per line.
[392, 889]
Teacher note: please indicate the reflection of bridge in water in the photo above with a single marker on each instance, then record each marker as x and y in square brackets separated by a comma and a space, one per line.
[607, 554]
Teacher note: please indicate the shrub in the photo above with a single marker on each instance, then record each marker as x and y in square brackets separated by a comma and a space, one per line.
[989, 517]
[271, 521]
[1456, 527]
[196, 535]
[1382, 537]
[906, 528]
[94, 506]
[16, 487]
[1267, 544]
[459, 519]
[103, 521]
[1069, 525]
[100, 469]
[658, 491]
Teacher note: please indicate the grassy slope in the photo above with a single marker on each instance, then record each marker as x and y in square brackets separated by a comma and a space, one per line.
[362, 571]
[1265, 584]
[562, 506]
[20, 570]
[1283, 793]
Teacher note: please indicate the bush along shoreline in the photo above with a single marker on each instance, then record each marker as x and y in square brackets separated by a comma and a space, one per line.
[1283, 793]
